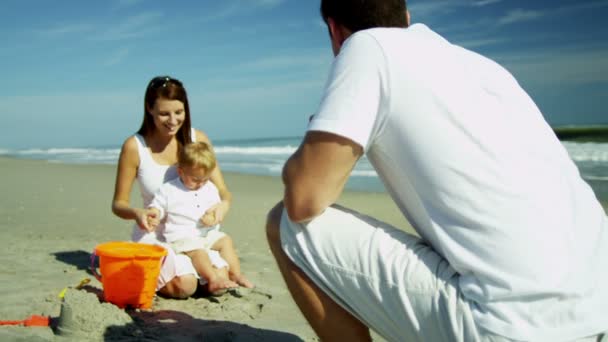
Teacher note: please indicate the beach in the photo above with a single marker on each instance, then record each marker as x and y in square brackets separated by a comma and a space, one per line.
[52, 215]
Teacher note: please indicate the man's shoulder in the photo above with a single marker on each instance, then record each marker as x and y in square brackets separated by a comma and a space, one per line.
[364, 42]
[414, 29]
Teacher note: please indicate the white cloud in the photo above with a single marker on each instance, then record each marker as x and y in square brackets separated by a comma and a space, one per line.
[435, 7]
[432, 8]
[253, 94]
[230, 8]
[567, 66]
[127, 3]
[475, 43]
[65, 29]
[432, 11]
[42, 118]
[519, 15]
[132, 27]
[266, 3]
[315, 60]
[128, 27]
[579, 6]
[481, 3]
[117, 57]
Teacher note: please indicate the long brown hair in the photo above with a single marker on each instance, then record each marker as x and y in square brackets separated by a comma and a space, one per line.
[165, 87]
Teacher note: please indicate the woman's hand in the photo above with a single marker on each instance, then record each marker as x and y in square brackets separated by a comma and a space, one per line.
[215, 214]
[147, 219]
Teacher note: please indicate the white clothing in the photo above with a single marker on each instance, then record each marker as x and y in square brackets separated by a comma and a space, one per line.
[181, 209]
[176, 265]
[198, 242]
[474, 167]
[400, 287]
[150, 176]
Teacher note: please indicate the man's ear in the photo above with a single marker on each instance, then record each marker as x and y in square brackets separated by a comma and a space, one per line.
[407, 17]
[332, 26]
[338, 34]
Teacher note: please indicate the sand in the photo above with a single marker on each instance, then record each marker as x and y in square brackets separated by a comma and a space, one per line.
[53, 215]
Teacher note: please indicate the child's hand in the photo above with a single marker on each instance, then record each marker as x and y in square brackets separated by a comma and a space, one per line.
[153, 218]
[208, 219]
[215, 214]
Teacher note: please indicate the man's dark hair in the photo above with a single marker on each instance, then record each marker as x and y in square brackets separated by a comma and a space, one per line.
[358, 15]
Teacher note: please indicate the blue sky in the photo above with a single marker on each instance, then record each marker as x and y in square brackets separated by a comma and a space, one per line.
[74, 72]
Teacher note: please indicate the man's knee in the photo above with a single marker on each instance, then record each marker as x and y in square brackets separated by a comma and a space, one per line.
[273, 223]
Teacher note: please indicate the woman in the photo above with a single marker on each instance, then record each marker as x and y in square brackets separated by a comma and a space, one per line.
[150, 157]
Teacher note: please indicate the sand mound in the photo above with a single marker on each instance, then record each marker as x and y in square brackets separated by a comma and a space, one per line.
[84, 316]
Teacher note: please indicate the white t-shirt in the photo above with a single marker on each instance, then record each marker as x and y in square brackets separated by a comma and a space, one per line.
[472, 164]
[181, 209]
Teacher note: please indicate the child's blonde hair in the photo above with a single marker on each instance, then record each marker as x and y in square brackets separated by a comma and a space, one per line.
[197, 154]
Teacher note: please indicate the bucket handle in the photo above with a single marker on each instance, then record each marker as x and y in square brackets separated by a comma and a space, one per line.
[93, 268]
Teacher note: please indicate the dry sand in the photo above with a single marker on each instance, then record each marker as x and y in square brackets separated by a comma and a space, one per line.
[53, 215]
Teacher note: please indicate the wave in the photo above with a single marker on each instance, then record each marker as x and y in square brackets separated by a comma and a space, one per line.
[67, 151]
[579, 152]
[268, 150]
[587, 152]
[364, 173]
[596, 178]
[271, 155]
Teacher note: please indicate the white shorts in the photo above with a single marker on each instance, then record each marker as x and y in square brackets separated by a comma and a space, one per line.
[175, 265]
[390, 280]
[197, 242]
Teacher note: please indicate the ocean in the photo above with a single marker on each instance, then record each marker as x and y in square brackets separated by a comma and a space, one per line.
[266, 156]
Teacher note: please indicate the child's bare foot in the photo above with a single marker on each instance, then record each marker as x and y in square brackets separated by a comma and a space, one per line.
[218, 286]
[243, 281]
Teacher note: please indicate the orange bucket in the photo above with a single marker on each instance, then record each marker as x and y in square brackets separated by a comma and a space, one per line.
[129, 271]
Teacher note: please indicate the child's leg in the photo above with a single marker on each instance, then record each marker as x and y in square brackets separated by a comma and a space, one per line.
[202, 264]
[225, 247]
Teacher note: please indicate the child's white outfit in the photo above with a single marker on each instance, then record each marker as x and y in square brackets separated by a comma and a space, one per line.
[151, 176]
[181, 209]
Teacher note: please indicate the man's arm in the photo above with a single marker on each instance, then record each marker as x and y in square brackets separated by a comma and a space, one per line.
[315, 175]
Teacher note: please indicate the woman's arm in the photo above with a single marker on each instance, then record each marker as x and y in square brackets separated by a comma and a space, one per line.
[128, 162]
[217, 178]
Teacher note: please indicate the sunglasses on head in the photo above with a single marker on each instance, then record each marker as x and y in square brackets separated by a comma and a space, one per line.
[162, 81]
